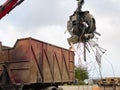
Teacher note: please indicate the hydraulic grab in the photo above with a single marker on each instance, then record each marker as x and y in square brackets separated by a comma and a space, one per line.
[7, 6]
[81, 25]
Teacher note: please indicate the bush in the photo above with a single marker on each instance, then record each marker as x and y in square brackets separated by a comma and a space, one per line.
[81, 74]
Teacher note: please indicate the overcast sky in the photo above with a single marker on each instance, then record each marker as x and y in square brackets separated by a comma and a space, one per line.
[46, 20]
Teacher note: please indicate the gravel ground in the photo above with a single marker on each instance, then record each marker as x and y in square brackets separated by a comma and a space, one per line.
[88, 87]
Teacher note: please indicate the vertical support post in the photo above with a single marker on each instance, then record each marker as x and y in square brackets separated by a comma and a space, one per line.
[0, 45]
[84, 45]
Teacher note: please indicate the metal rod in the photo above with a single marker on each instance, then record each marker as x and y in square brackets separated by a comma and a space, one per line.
[84, 51]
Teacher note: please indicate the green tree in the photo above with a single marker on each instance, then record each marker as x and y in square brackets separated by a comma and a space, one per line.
[81, 74]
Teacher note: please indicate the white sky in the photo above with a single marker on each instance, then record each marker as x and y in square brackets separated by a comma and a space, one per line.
[46, 20]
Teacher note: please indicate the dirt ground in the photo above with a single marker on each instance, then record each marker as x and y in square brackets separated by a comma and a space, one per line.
[89, 87]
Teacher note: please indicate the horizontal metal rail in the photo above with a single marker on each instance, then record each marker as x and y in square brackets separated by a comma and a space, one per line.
[9, 62]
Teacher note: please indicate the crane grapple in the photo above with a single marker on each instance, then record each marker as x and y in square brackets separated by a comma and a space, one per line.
[81, 25]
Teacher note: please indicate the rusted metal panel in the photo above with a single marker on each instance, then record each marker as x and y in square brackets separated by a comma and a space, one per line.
[71, 66]
[0, 45]
[3, 56]
[3, 52]
[33, 61]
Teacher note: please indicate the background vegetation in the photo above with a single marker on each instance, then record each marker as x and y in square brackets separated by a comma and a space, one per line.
[81, 74]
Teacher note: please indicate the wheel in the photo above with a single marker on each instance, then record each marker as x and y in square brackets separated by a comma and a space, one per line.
[59, 88]
[51, 88]
[29, 89]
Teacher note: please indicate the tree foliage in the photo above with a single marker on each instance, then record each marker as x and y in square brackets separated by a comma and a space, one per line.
[81, 74]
